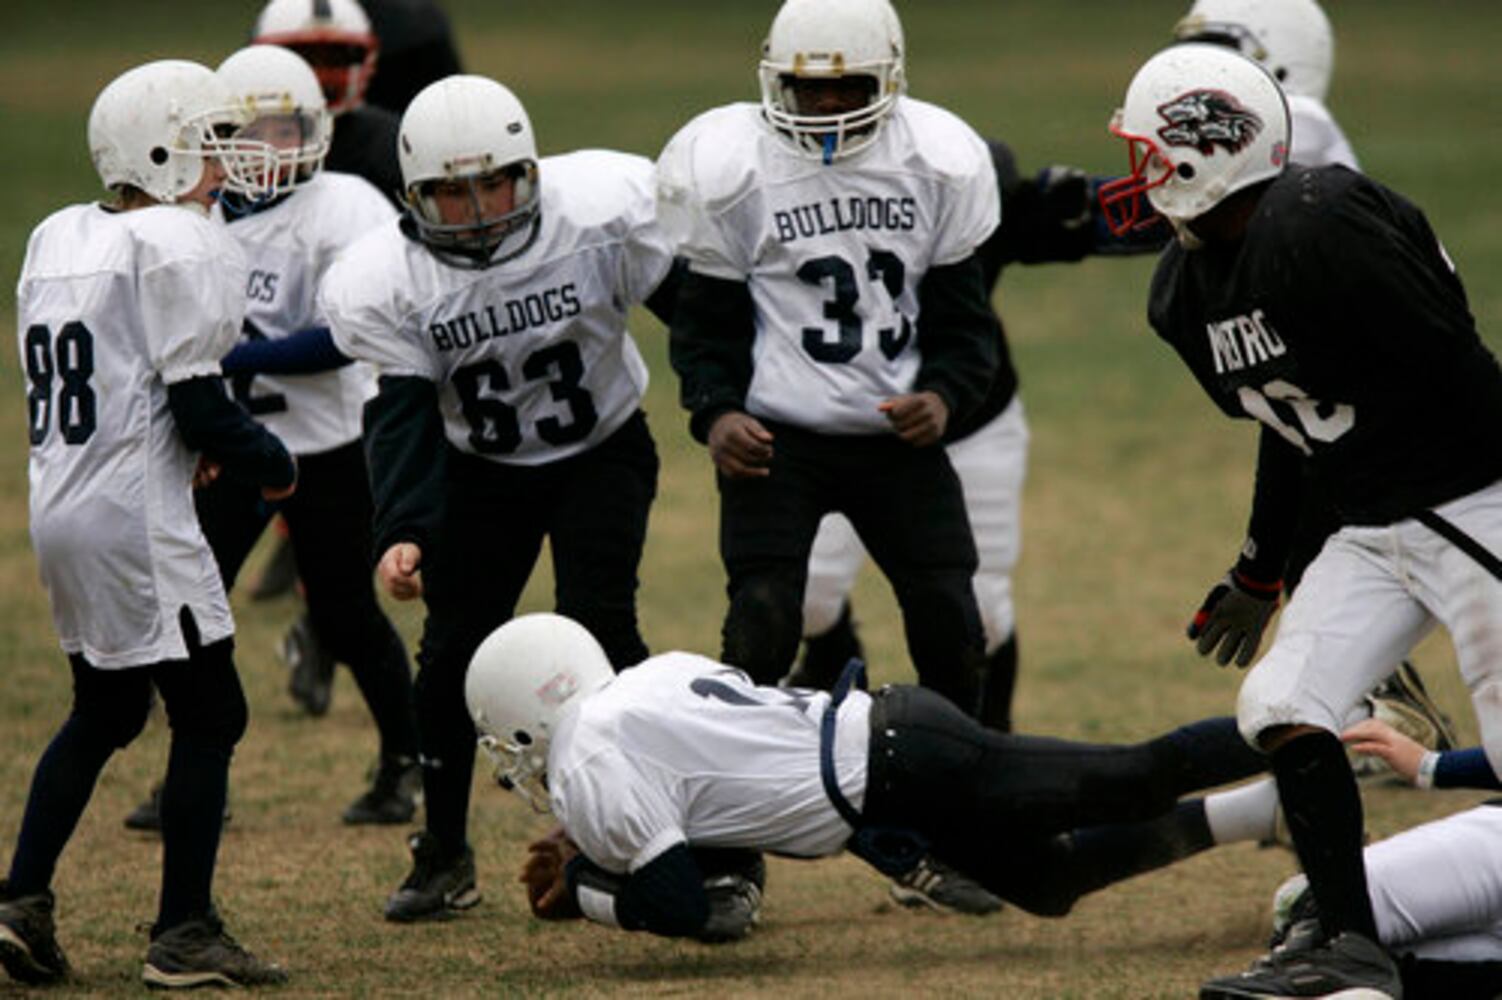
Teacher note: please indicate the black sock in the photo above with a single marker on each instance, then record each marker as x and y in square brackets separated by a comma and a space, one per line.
[60, 789]
[1323, 808]
[1098, 856]
[446, 789]
[193, 797]
[1210, 752]
[997, 686]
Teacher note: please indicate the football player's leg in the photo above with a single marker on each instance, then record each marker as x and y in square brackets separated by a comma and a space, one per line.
[1467, 599]
[767, 527]
[828, 627]
[992, 464]
[329, 522]
[1436, 889]
[109, 710]
[597, 529]
[233, 516]
[1348, 622]
[207, 713]
[490, 541]
[914, 523]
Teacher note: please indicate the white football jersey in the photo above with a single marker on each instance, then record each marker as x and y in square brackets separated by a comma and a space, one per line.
[113, 307]
[833, 254]
[680, 748]
[531, 357]
[288, 248]
[1315, 139]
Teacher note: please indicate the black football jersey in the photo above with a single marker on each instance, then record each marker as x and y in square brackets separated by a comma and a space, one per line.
[365, 144]
[1339, 322]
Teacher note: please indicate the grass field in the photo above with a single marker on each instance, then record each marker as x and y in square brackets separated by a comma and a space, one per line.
[1135, 502]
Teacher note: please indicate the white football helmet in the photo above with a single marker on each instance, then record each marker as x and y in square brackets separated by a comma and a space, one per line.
[466, 129]
[334, 36]
[829, 39]
[287, 113]
[153, 127]
[1201, 122]
[521, 681]
[1292, 38]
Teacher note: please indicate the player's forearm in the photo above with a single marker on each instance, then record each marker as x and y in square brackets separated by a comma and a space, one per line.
[958, 335]
[665, 896]
[1275, 509]
[1467, 768]
[405, 452]
[218, 427]
[306, 352]
[709, 345]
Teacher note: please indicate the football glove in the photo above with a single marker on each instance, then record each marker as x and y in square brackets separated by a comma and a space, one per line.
[734, 908]
[1233, 617]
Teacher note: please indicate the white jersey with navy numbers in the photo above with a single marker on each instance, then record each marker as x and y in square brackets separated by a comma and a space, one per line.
[833, 254]
[1315, 139]
[288, 248]
[114, 307]
[683, 749]
[531, 356]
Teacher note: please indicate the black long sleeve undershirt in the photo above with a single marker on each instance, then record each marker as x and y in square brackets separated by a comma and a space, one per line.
[958, 336]
[665, 896]
[406, 453]
[709, 344]
[1275, 509]
[218, 427]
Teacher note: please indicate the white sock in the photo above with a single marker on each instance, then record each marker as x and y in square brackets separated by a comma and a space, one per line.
[1248, 812]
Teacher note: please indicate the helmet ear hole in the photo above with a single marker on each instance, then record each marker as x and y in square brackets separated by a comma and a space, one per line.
[1185, 170]
[522, 738]
[159, 155]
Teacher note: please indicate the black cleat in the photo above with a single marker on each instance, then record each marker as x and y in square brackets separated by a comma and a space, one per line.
[1350, 967]
[28, 939]
[147, 816]
[934, 884]
[200, 952]
[437, 886]
[311, 683]
[392, 797]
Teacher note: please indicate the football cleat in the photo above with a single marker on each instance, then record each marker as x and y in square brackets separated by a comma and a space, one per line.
[147, 816]
[1402, 702]
[734, 908]
[28, 939]
[1350, 967]
[437, 886]
[311, 683]
[200, 952]
[934, 884]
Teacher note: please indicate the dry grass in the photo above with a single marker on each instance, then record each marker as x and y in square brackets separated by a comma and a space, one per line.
[1135, 501]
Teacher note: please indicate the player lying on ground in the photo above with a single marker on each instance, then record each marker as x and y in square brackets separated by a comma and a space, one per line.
[1435, 890]
[682, 753]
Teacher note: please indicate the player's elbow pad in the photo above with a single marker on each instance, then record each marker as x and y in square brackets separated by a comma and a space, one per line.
[665, 896]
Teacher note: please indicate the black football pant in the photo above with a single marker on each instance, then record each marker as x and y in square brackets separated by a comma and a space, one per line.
[592, 509]
[994, 805]
[907, 507]
[328, 521]
[207, 715]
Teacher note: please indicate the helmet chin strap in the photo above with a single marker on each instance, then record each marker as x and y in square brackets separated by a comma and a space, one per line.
[831, 140]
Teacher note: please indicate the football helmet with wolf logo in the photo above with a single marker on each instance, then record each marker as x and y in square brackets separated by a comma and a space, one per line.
[1201, 122]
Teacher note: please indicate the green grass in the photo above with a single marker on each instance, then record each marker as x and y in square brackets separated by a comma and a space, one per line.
[1135, 502]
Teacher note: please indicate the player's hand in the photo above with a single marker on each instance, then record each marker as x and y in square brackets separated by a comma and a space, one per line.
[282, 492]
[400, 571]
[546, 878]
[919, 418]
[1233, 617]
[740, 446]
[205, 472]
[734, 908]
[1376, 738]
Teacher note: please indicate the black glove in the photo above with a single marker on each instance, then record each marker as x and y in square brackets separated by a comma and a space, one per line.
[1233, 616]
[734, 907]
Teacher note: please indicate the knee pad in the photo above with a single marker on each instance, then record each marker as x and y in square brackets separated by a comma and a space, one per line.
[762, 629]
